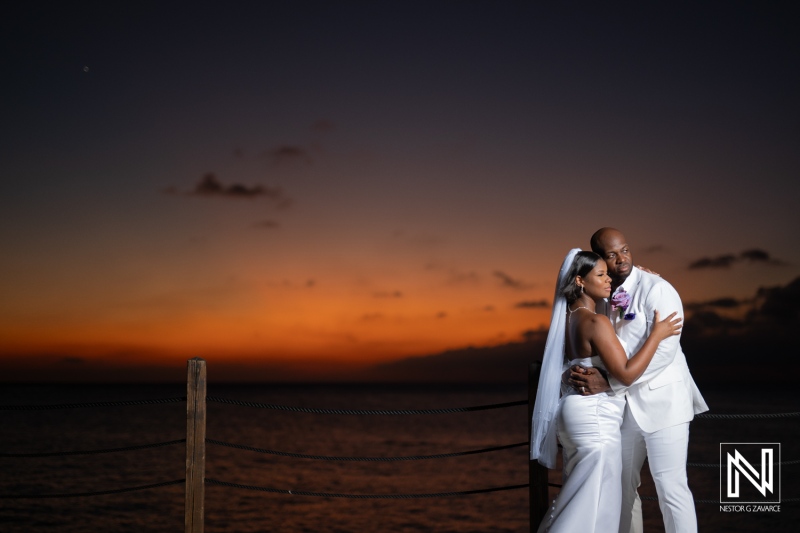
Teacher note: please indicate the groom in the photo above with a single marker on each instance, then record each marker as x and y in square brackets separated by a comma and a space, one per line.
[660, 404]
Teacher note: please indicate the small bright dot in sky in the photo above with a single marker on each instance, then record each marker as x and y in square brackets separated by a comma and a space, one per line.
[86, 69]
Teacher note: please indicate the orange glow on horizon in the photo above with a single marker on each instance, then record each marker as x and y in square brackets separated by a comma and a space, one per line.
[343, 323]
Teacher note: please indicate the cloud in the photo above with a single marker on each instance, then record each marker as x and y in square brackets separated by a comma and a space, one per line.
[755, 349]
[267, 224]
[511, 283]
[454, 275]
[323, 126]
[652, 249]
[441, 314]
[504, 363]
[210, 186]
[754, 255]
[719, 303]
[772, 313]
[760, 256]
[777, 305]
[288, 154]
[532, 304]
[310, 283]
[722, 261]
[369, 317]
[387, 294]
[418, 240]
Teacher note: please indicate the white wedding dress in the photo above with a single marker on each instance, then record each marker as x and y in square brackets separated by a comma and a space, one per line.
[589, 431]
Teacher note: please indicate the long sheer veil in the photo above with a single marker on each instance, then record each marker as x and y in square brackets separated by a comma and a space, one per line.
[543, 426]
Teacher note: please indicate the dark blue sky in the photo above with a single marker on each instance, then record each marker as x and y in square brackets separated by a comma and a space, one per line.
[362, 179]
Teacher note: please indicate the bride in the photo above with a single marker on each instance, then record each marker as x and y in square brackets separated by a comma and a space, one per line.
[587, 425]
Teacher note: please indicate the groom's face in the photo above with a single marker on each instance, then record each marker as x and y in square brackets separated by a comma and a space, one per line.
[617, 255]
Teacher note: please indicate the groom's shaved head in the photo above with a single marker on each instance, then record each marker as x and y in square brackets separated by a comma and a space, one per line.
[601, 237]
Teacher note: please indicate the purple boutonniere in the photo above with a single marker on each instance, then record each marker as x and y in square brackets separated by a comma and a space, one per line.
[620, 302]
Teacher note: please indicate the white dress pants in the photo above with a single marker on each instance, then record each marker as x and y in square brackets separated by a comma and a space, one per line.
[590, 498]
[666, 451]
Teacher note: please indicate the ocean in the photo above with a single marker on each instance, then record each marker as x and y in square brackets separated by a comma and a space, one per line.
[241, 510]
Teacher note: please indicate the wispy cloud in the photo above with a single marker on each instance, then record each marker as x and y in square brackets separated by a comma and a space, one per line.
[652, 249]
[310, 283]
[267, 224]
[288, 154]
[770, 311]
[418, 240]
[721, 261]
[387, 294]
[323, 125]
[455, 276]
[532, 304]
[754, 255]
[719, 303]
[511, 283]
[210, 186]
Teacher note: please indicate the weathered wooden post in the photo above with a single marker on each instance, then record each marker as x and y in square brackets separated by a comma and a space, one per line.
[537, 474]
[195, 445]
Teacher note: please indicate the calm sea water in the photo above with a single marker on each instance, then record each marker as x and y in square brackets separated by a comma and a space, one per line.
[233, 509]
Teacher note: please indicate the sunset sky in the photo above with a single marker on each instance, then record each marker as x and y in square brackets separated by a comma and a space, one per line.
[302, 189]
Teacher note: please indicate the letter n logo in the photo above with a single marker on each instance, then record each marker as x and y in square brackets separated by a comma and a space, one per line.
[748, 472]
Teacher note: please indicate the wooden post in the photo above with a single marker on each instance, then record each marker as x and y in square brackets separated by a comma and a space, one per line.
[537, 474]
[195, 445]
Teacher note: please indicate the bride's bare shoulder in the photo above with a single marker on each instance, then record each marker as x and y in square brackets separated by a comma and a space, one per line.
[600, 321]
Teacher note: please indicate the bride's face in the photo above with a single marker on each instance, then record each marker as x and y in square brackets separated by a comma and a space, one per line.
[597, 283]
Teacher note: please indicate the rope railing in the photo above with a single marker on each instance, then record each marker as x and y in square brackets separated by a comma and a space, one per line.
[329, 411]
[757, 465]
[95, 452]
[366, 459]
[201, 481]
[123, 403]
[295, 455]
[87, 494]
[323, 411]
[363, 496]
[712, 416]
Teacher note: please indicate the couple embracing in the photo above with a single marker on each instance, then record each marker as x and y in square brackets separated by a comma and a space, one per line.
[614, 388]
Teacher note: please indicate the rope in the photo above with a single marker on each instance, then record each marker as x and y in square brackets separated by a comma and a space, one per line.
[717, 502]
[98, 493]
[717, 465]
[91, 452]
[89, 404]
[366, 411]
[738, 417]
[708, 416]
[340, 458]
[210, 481]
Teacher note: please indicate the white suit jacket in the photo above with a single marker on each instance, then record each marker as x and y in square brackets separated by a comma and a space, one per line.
[665, 395]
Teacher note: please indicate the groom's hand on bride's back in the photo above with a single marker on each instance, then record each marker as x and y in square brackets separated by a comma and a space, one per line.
[587, 381]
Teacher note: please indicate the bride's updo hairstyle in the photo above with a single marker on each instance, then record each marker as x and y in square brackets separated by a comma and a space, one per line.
[583, 263]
